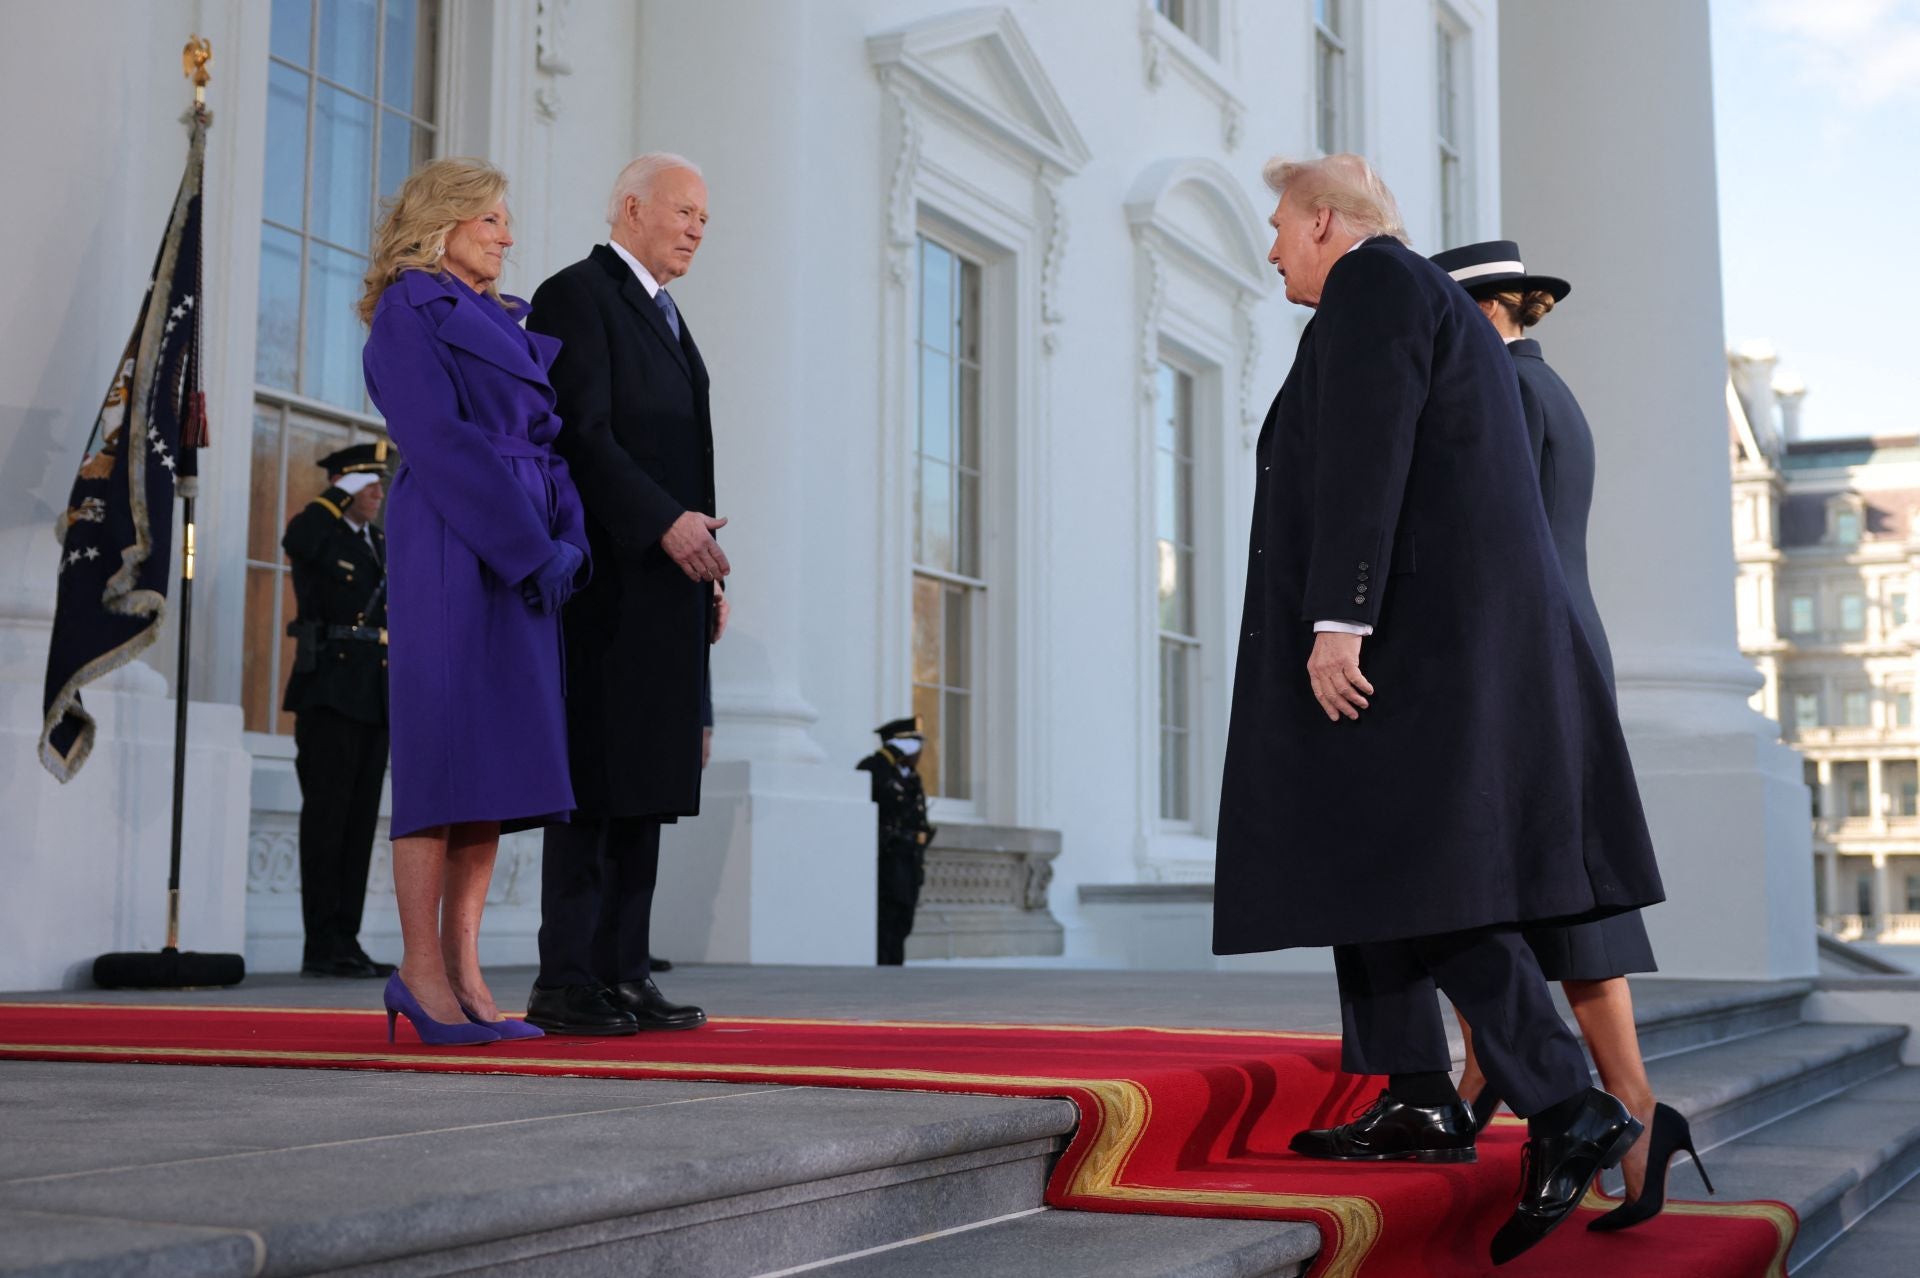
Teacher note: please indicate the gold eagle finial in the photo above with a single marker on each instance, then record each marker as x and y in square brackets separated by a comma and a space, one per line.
[194, 61]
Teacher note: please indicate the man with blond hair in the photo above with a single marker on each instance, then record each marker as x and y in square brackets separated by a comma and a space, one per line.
[637, 433]
[1473, 780]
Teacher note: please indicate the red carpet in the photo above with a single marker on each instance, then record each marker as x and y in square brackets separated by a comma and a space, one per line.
[1177, 1122]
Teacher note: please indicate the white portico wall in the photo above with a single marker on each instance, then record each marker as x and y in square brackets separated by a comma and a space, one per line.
[1608, 162]
[86, 862]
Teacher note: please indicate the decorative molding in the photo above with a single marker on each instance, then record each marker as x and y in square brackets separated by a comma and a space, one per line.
[273, 862]
[1028, 116]
[1249, 312]
[1165, 45]
[1056, 242]
[901, 220]
[551, 19]
[1237, 261]
[1154, 274]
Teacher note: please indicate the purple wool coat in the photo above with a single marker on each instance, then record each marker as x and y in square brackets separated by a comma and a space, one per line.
[476, 681]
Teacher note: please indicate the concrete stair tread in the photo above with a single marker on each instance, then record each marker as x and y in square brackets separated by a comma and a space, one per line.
[1078, 1244]
[482, 1161]
[1727, 1089]
[1884, 1244]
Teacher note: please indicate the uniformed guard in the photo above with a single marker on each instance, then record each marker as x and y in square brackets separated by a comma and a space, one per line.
[338, 697]
[904, 832]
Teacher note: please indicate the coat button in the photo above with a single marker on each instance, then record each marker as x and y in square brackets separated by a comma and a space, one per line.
[1363, 566]
[1362, 588]
[1359, 599]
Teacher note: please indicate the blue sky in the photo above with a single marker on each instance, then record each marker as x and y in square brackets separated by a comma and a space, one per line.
[1817, 112]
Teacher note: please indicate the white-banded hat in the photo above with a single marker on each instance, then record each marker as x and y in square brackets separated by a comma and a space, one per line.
[1495, 267]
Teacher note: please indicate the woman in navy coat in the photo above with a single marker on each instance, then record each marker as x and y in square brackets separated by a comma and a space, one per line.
[485, 541]
[1590, 960]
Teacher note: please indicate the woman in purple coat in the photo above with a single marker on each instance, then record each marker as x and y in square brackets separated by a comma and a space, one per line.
[485, 543]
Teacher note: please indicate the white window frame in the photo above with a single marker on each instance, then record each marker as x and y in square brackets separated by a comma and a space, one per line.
[1454, 144]
[1793, 614]
[1806, 709]
[1335, 122]
[1202, 388]
[1852, 613]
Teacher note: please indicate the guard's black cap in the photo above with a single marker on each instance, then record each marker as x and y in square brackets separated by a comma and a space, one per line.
[361, 457]
[908, 727]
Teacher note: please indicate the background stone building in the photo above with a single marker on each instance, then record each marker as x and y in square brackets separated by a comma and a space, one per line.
[1827, 533]
[991, 330]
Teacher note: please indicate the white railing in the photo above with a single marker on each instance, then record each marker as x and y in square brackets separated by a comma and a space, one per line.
[1895, 929]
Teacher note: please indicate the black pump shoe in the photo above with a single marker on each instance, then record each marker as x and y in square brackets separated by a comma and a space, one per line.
[1557, 1168]
[1391, 1130]
[649, 1007]
[1671, 1134]
[578, 1009]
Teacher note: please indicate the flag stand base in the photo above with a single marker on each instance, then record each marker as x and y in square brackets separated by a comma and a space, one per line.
[168, 969]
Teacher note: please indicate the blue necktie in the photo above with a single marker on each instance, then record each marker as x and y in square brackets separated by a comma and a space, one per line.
[672, 312]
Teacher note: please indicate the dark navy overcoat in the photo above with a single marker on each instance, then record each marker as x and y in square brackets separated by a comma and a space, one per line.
[477, 685]
[640, 436]
[1489, 783]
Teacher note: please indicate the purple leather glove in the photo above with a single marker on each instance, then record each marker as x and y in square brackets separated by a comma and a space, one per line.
[552, 584]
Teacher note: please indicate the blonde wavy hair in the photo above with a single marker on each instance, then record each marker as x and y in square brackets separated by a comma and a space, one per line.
[1345, 183]
[435, 198]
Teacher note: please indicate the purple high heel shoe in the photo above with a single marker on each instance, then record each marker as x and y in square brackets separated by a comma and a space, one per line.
[401, 1002]
[506, 1027]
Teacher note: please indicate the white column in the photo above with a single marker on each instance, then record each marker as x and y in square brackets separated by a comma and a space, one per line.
[1587, 96]
[1876, 799]
[1830, 868]
[786, 839]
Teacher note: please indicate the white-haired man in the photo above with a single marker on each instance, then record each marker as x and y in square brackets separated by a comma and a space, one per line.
[1474, 779]
[638, 435]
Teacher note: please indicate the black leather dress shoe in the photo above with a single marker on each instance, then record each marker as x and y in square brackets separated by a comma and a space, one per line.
[657, 964]
[373, 966]
[342, 967]
[650, 1008]
[1391, 1130]
[1557, 1168]
[578, 1009]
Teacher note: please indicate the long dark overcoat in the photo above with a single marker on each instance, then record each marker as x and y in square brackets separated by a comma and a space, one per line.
[1488, 783]
[477, 686]
[640, 437]
[1563, 455]
[336, 582]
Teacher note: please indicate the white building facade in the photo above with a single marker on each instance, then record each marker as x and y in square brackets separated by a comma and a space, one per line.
[1828, 536]
[991, 331]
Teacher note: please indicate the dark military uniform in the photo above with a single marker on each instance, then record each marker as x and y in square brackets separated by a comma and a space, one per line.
[904, 834]
[338, 696]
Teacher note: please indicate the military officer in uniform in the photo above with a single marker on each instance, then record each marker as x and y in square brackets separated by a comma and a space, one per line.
[904, 832]
[338, 697]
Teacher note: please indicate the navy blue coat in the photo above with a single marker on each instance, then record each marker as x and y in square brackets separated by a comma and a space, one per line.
[639, 434]
[1489, 783]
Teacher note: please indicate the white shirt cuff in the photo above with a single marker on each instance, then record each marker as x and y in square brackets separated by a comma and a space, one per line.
[1343, 627]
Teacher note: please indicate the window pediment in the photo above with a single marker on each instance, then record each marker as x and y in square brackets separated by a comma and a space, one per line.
[1193, 210]
[977, 68]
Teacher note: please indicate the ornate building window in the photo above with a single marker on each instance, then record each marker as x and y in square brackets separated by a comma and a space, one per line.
[1806, 710]
[949, 588]
[1853, 614]
[1853, 708]
[1452, 121]
[1174, 575]
[1331, 95]
[1800, 615]
[351, 92]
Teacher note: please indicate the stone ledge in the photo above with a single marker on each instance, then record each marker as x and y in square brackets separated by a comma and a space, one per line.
[1146, 894]
[986, 894]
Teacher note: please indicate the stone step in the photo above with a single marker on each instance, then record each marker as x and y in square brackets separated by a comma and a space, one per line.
[1077, 1244]
[324, 1172]
[1882, 1245]
[1832, 1162]
[1732, 1088]
[1719, 1012]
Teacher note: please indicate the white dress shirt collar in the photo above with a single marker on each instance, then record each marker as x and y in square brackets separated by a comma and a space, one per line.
[640, 272]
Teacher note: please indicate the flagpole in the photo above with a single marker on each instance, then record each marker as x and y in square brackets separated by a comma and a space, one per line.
[172, 968]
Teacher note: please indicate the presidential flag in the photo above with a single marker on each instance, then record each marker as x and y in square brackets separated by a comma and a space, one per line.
[116, 535]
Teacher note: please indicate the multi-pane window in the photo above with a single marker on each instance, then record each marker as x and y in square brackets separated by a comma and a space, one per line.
[1857, 805]
[1846, 527]
[1174, 588]
[1913, 894]
[1330, 75]
[949, 586]
[1800, 615]
[1902, 783]
[1853, 614]
[1903, 709]
[1853, 708]
[1806, 710]
[1863, 895]
[350, 112]
[1450, 125]
[1897, 608]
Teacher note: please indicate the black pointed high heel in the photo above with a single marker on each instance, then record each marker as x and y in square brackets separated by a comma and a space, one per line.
[1484, 1107]
[1671, 1133]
